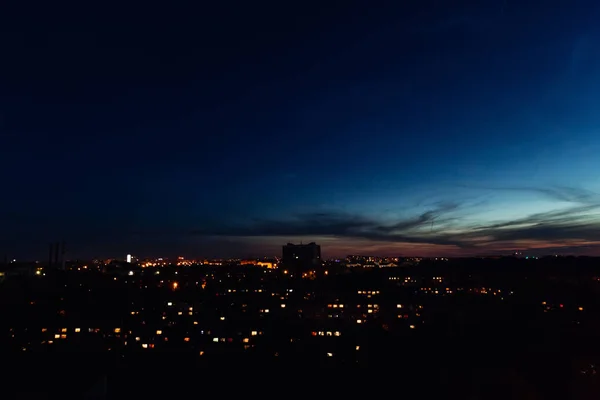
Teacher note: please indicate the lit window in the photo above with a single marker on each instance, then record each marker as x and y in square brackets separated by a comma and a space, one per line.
[329, 354]
[77, 330]
[186, 339]
[169, 304]
[267, 310]
[57, 336]
[117, 330]
[44, 329]
[359, 321]
[144, 345]
[180, 313]
[253, 333]
[283, 306]
[159, 332]
[137, 339]
[195, 322]
[216, 340]
[245, 340]
[63, 336]
[412, 327]
[399, 305]
[580, 308]
[337, 333]
[63, 330]
[201, 353]
[222, 318]
[357, 347]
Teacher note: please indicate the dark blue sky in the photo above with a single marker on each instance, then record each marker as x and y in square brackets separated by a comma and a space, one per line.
[414, 127]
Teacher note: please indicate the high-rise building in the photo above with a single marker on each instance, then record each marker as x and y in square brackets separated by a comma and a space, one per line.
[301, 257]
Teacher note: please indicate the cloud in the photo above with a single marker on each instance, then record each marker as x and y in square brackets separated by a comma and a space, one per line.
[558, 193]
[576, 226]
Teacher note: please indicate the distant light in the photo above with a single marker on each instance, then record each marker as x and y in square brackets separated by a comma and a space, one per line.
[329, 354]
[129, 259]
[283, 306]
[357, 347]
[412, 327]
[130, 273]
[175, 285]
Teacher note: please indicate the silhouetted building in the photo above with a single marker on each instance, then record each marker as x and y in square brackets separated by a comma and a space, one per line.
[301, 257]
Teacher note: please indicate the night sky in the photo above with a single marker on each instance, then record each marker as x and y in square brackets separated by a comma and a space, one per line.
[376, 127]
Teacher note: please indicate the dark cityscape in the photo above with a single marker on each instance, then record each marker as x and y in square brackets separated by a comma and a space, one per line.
[337, 199]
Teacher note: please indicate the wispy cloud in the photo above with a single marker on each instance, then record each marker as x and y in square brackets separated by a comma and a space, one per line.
[574, 226]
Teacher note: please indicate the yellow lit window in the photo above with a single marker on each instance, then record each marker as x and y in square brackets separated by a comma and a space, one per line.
[144, 345]
[77, 330]
[216, 340]
[117, 330]
[359, 321]
[329, 354]
[57, 336]
[283, 306]
[357, 347]
[159, 332]
[253, 333]
[63, 330]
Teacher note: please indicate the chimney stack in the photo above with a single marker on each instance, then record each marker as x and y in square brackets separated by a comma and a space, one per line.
[50, 249]
[62, 255]
[56, 253]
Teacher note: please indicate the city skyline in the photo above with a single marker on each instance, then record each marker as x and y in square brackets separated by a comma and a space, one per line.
[406, 130]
